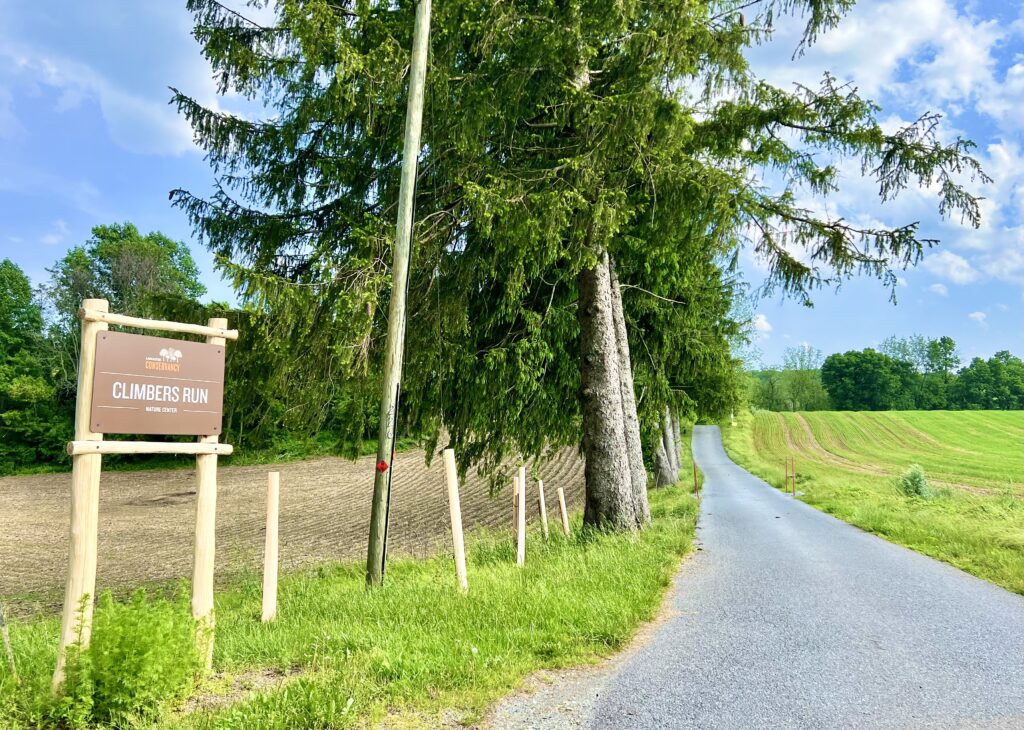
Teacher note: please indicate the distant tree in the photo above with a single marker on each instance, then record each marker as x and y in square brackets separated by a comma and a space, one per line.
[867, 381]
[801, 379]
[32, 427]
[138, 274]
[942, 357]
[996, 384]
[913, 350]
[973, 387]
[767, 390]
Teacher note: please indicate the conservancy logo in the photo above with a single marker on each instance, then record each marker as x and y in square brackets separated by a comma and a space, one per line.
[168, 360]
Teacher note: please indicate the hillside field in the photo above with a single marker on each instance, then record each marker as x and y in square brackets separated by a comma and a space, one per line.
[846, 463]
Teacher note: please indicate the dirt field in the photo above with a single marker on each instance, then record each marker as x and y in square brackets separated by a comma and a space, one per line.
[147, 520]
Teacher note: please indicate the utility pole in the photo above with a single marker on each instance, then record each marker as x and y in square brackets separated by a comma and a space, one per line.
[377, 552]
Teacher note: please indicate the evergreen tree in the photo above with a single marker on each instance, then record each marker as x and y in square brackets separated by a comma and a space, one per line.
[559, 141]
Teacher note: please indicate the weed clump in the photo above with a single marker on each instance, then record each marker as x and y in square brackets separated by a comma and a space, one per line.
[142, 658]
[914, 483]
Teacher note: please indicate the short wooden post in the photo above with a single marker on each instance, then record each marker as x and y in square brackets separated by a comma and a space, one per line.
[521, 523]
[205, 537]
[793, 475]
[270, 550]
[543, 508]
[696, 484]
[562, 510]
[515, 503]
[8, 649]
[79, 593]
[451, 474]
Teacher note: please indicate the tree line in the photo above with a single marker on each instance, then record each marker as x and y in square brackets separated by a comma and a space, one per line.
[908, 373]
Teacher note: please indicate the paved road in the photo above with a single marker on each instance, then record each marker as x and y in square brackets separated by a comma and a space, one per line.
[789, 618]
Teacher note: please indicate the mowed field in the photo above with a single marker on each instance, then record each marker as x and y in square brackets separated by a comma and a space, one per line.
[846, 463]
[147, 518]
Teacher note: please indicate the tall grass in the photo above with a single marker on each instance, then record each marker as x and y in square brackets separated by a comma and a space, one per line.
[981, 532]
[416, 647]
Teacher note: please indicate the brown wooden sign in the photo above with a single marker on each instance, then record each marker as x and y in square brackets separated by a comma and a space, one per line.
[155, 385]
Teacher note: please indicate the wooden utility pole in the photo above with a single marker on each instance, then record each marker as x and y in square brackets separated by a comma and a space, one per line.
[376, 553]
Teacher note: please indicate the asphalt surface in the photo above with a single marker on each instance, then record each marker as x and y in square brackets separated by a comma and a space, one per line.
[789, 618]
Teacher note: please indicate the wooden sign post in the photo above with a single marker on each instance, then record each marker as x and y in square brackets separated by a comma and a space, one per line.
[140, 385]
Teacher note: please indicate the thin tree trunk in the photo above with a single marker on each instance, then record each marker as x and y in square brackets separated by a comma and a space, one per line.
[670, 444]
[662, 469]
[678, 436]
[634, 445]
[609, 489]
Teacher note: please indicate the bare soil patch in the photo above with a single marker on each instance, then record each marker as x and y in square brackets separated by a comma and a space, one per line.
[147, 520]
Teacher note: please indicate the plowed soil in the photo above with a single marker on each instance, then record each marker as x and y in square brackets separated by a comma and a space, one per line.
[147, 520]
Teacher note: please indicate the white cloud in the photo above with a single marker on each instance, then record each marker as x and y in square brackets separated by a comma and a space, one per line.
[57, 235]
[136, 123]
[762, 326]
[900, 281]
[951, 266]
[979, 317]
[939, 289]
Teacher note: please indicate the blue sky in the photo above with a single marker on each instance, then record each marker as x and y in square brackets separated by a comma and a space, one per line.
[87, 137]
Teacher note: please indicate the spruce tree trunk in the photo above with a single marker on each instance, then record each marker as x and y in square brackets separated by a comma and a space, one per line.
[670, 444]
[662, 469]
[634, 445]
[609, 488]
[678, 436]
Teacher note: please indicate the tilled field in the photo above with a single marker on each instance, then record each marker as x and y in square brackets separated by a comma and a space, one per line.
[147, 519]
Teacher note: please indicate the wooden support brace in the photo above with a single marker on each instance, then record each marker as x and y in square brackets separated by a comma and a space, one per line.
[147, 447]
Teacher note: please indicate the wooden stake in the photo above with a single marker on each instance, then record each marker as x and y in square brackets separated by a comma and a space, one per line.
[521, 522]
[206, 534]
[270, 550]
[79, 593]
[543, 508]
[455, 510]
[8, 649]
[515, 503]
[696, 485]
[562, 511]
[794, 476]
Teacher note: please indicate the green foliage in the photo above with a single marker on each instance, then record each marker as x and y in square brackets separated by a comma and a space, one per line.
[868, 381]
[913, 483]
[33, 425]
[142, 661]
[416, 646]
[552, 133]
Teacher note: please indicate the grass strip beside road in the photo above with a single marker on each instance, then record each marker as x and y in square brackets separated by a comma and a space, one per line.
[415, 651]
[981, 532]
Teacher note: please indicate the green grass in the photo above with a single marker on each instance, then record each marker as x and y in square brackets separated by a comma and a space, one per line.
[415, 648]
[847, 464]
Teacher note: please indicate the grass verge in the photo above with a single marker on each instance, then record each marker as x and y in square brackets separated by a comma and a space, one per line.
[415, 649]
[982, 534]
